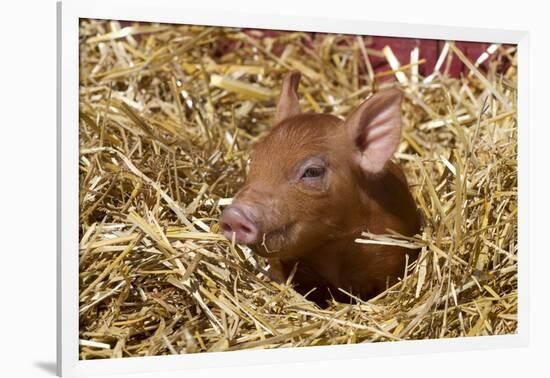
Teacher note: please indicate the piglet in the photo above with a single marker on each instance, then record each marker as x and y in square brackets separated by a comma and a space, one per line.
[315, 183]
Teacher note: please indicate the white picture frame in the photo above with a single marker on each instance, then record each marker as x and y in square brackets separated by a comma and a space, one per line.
[69, 12]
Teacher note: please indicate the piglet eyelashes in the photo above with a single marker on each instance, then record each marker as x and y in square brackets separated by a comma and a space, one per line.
[313, 172]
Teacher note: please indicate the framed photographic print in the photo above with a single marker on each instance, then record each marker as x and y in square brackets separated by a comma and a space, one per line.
[239, 188]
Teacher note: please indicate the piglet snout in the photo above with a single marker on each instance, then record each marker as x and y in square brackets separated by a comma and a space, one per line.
[239, 219]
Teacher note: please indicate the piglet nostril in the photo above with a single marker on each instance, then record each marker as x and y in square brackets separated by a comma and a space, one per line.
[235, 221]
[226, 227]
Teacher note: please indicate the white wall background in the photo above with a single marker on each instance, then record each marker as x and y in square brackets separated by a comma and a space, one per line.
[27, 186]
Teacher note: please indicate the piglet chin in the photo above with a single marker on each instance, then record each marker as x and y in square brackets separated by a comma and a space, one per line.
[263, 251]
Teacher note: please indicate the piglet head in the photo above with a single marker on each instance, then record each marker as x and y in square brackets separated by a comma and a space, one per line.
[308, 180]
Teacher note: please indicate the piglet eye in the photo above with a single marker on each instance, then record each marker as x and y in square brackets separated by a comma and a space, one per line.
[314, 172]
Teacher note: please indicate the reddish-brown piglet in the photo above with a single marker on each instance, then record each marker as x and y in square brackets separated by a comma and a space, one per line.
[315, 183]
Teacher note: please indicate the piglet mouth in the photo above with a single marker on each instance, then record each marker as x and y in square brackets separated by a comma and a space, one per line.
[271, 243]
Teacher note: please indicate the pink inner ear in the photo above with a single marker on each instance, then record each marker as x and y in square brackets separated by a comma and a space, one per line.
[376, 129]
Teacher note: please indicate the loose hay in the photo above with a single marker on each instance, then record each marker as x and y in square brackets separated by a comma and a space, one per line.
[168, 117]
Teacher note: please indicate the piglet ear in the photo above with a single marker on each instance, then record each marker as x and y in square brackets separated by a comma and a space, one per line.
[375, 129]
[288, 104]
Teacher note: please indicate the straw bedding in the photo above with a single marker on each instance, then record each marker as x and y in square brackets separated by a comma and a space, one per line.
[168, 117]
